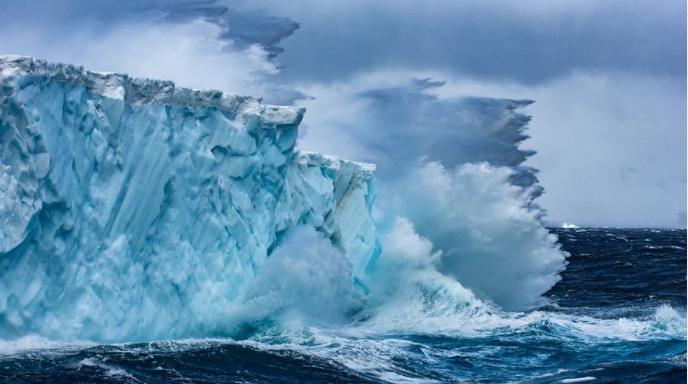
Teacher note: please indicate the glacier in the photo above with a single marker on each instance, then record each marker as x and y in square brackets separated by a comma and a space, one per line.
[133, 209]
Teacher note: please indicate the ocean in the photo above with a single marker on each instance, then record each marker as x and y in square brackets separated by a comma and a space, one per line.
[618, 315]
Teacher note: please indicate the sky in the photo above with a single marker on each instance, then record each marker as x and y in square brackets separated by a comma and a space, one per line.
[608, 78]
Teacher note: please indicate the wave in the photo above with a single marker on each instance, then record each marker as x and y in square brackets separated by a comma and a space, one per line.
[372, 348]
[485, 230]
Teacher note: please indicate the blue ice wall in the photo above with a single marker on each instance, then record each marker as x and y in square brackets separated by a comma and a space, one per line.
[131, 209]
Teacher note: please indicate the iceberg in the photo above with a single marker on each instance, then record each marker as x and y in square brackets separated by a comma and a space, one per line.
[132, 209]
[135, 210]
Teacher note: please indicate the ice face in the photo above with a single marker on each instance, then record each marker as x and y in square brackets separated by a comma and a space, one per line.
[134, 210]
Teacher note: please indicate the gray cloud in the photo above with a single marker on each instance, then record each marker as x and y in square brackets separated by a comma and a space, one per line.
[397, 124]
[404, 122]
[531, 42]
[154, 38]
[243, 28]
[248, 28]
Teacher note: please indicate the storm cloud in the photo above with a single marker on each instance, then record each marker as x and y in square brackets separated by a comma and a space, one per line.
[528, 42]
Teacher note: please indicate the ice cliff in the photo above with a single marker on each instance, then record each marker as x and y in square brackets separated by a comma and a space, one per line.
[132, 209]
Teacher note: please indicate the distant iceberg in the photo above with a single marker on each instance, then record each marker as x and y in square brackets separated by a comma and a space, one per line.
[569, 226]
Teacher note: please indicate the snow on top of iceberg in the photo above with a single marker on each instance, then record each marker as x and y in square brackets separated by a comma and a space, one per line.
[146, 91]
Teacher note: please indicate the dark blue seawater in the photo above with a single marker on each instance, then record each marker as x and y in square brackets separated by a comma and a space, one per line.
[617, 316]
